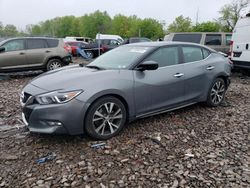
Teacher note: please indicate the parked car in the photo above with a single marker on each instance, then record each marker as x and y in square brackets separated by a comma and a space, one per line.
[82, 39]
[34, 53]
[130, 82]
[106, 36]
[216, 40]
[107, 44]
[135, 40]
[91, 49]
[240, 44]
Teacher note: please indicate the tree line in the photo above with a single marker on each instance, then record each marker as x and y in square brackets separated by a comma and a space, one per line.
[89, 25]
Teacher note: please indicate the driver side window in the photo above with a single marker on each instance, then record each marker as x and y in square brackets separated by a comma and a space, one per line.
[165, 56]
[14, 45]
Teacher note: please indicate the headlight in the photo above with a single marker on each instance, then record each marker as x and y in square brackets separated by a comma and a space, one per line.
[57, 97]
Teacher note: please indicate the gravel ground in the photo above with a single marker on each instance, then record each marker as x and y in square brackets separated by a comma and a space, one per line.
[196, 146]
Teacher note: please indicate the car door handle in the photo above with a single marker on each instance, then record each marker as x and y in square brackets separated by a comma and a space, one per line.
[47, 51]
[178, 75]
[210, 67]
[21, 53]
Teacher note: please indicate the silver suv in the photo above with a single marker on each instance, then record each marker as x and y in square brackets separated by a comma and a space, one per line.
[33, 53]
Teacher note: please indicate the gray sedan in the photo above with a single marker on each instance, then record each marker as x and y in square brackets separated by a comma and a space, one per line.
[127, 83]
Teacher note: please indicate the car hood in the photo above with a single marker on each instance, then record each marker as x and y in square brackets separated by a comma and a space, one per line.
[71, 78]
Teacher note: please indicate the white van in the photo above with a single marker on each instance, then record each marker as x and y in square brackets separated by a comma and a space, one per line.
[240, 44]
[105, 36]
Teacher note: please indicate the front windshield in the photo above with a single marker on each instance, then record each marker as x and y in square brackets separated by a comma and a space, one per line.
[121, 57]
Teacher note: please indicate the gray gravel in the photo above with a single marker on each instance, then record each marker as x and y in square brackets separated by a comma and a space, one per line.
[196, 146]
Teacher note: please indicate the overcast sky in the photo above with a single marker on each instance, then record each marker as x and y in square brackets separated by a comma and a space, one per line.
[23, 12]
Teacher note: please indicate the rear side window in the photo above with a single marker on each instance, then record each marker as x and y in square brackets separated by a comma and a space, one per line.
[192, 54]
[165, 56]
[36, 44]
[206, 53]
[194, 38]
[52, 43]
[212, 39]
[228, 39]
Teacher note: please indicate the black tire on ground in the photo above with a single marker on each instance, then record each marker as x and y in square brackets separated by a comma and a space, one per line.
[105, 118]
[54, 64]
[216, 92]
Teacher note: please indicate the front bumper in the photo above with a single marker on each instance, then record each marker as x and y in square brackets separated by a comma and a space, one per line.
[67, 118]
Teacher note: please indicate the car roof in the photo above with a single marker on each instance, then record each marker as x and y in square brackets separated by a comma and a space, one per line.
[9, 39]
[166, 43]
[31, 38]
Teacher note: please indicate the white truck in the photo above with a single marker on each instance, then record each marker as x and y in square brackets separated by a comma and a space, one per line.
[240, 43]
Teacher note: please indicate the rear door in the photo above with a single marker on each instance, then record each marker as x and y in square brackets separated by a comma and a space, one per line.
[37, 51]
[14, 55]
[162, 88]
[197, 70]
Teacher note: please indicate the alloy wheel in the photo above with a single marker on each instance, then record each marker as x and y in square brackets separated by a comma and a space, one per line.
[217, 92]
[107, 118]
[54, 65]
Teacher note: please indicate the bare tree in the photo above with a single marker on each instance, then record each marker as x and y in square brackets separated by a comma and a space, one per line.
[230, 13]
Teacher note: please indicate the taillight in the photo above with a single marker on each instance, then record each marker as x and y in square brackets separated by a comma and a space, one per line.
[230, 53]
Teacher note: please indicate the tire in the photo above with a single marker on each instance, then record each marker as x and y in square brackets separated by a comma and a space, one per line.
[216, 92]
[105, 118]
[54, 64]
[89, 54]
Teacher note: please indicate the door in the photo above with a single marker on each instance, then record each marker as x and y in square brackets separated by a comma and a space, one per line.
[162, 88]
[196, 68]
[14, 55]
[37, 51]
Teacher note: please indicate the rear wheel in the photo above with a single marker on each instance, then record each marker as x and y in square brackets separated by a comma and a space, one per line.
[217, 92]
[54, 64]
[105, 118]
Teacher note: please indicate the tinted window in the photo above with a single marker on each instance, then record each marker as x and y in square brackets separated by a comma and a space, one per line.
[192, 54]
[14, 45]
[105, 41]
[165, 56]
[36, 44]
[52, 43]
[213, 39]
[228, 39]
[194, 38]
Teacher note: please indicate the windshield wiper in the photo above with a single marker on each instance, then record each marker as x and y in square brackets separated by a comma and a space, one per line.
[94, 67]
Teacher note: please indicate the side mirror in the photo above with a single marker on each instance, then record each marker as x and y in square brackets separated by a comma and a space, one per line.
[2, 49]
[147, 65]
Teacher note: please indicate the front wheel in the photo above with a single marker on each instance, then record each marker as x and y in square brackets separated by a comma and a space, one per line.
[217, 92]
[105, 118]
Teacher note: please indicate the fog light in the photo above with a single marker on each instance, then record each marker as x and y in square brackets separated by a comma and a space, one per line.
[54, 123]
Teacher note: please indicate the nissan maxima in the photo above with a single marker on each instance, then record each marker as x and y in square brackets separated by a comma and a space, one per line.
[127, 83]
